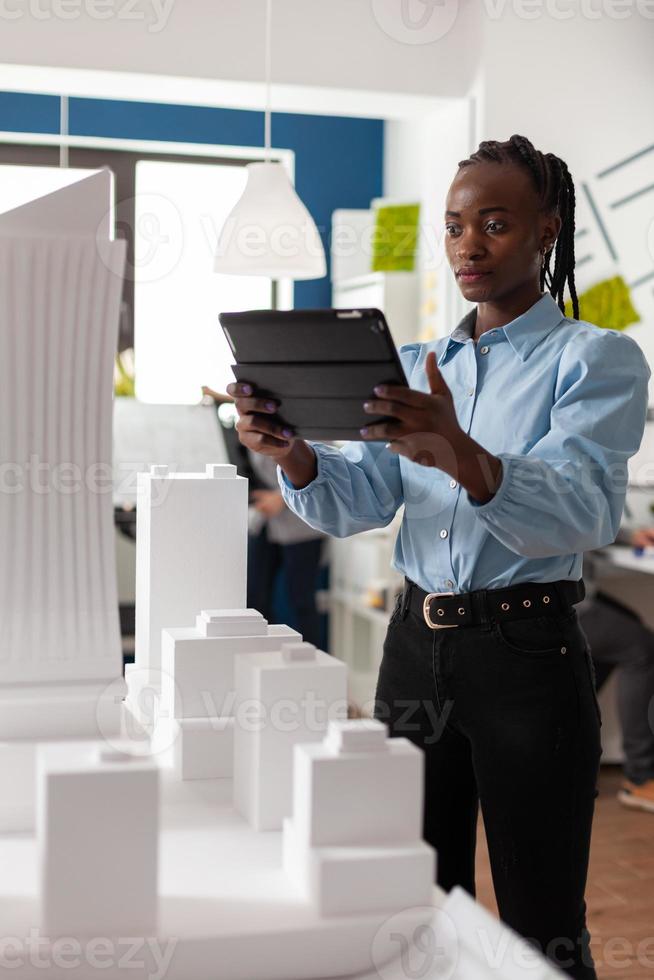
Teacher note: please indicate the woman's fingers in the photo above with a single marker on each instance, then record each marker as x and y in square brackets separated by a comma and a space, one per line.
[259, 441]
[246, 401]
[246, 406]
[238, 388]
[264, 425]
[383, 431]
[402, 394]
[395, 409]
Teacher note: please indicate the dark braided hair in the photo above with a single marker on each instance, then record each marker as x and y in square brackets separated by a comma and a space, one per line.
[556, 191]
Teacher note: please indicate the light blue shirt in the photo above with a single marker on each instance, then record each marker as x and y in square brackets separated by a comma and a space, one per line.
[560, 401]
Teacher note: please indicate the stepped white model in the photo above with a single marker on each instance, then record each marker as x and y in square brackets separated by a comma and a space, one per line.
[60, 289]
[198, 696]
[354, 842]
[283, 700]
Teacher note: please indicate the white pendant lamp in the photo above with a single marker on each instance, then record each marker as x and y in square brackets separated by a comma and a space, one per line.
[269, 232]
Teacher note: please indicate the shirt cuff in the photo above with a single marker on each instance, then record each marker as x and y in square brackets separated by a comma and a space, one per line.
[287, 487]
[496, 501]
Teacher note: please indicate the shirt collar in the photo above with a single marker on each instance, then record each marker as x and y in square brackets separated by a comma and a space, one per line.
[524, 333]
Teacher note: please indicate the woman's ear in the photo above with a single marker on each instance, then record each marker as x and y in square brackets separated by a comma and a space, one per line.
[550, 231]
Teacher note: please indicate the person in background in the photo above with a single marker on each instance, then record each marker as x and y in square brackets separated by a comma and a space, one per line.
[618, 638]
[277, 540]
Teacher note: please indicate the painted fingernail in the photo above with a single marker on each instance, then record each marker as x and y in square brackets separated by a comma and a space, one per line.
[271, 406]
[287, 433]
[247, 389]
[364, 430]
[367, 406]
[379, 390]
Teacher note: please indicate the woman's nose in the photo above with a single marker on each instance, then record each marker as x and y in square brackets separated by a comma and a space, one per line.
[469, 246]
[472, 250]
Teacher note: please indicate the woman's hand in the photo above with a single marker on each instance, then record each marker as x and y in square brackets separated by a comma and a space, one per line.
[262, 433]
[643, 538]
[425, 429]
[256, 428]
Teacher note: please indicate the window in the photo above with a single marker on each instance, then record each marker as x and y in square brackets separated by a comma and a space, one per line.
[179, 346]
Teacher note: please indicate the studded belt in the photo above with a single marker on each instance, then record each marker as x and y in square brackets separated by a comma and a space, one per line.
[447, 610]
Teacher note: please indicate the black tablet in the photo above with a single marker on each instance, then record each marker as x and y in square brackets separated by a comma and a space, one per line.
[321, 365]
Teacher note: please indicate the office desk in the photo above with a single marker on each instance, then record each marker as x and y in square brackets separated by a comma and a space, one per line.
[623, 556]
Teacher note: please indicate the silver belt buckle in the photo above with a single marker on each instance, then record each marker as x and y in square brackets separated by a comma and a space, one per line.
[425, 612]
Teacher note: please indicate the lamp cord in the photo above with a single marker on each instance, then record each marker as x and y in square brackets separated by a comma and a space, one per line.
[267, 114]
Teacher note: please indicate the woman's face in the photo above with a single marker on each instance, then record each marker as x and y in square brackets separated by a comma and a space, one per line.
[494, 231]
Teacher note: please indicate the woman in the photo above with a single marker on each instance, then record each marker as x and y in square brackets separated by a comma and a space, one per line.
[509, 452]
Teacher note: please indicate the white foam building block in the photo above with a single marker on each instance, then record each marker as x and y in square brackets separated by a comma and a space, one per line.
[351, 846]
[191, 553]
[341, 787]
[283, 699]
[486, 948]
[60, 652]
[203, 748]
[197, 675]
[357, 880]
[97, 833]
[198, 685]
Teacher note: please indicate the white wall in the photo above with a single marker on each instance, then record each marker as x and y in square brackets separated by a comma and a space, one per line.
[582, 88]
[420, 161]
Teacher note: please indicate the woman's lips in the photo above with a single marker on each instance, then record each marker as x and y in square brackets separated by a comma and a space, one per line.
[472, 276]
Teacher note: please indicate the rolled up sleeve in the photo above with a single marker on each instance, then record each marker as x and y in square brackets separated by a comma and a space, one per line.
[356, 488]
[567, 493]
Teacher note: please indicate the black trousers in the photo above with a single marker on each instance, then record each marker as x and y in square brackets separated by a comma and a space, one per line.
[507, 717]
[300, 562]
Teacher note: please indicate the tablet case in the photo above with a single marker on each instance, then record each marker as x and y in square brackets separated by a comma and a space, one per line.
[320, 364]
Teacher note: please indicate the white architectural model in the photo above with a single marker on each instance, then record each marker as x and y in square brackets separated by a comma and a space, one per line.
[198, 695]
[354, 842]
[284, 699]
[60, 289]
[97, 831]
[191, 548]
[191, 553]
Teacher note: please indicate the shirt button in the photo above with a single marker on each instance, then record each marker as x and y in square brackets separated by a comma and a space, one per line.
[443, 533]
[470, 392]
[484, 350]
[453, 483]
[449, 583]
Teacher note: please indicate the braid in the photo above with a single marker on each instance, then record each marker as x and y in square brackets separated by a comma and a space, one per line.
[556, 192]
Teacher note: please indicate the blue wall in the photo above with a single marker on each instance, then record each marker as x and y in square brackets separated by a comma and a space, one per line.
[338, 160]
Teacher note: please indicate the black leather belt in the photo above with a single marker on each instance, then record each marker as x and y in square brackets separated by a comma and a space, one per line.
[446, 610]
